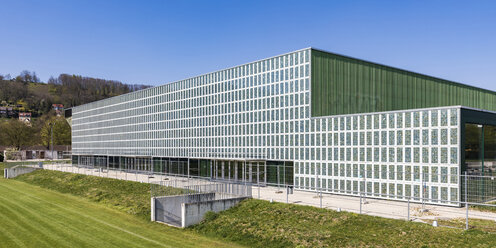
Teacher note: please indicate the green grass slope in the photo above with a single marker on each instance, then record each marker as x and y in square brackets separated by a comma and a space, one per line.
[258, 223]
[130, 197]
[32, 216]
[263, 224]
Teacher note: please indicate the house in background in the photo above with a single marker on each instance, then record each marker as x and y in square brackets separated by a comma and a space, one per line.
[25, 117]
[59, 109]
[40, 152]
[7, 112]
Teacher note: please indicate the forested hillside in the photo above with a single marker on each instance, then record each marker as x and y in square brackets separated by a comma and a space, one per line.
[26, 93]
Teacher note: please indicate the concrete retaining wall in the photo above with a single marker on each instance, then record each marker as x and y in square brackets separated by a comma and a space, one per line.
[193, 213]
[167, 209]
[16, 171]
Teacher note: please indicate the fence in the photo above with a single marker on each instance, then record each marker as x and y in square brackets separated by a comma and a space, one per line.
[478, 212]
[440, 186]
[392, 199]
[222, 190]
[441, 183]
[479, 188]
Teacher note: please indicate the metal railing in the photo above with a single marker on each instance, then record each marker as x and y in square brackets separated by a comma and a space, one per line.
[474, 192]
[222, 190]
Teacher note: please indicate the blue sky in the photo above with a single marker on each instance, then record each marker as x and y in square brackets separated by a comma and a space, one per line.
[156, 42]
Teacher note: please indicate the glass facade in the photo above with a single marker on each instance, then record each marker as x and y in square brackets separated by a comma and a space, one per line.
[249, 111]
[261, 112]
[390, 155]
[480, 149]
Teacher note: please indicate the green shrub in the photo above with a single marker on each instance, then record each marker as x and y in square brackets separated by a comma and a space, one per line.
[12, 154]
[210, 216]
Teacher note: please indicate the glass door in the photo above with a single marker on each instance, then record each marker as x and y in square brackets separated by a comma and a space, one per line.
[480, 149]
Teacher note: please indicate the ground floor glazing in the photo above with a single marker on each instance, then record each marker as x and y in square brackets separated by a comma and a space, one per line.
[262, 172]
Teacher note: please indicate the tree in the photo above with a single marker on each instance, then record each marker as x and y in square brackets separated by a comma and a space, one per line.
[15, 133]
[12, 91]
[27, 76]
[61, 132]
[69, 90]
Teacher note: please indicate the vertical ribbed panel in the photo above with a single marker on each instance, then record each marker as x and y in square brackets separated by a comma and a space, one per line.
[342, 85]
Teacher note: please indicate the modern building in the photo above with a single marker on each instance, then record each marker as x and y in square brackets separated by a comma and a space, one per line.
[308, 118]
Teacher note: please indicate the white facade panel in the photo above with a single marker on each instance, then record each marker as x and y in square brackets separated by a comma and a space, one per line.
[261, 110]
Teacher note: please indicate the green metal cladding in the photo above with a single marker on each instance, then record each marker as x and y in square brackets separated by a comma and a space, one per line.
[343, 85]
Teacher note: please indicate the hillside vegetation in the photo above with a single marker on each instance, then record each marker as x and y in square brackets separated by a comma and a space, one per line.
[264, 224]
[26, 93]
[127, 196]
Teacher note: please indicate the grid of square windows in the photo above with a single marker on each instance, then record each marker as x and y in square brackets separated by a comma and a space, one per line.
[391, 155]
[262, 110]
[246, 111]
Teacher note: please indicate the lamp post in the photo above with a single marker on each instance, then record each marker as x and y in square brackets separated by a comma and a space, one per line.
[51, 124]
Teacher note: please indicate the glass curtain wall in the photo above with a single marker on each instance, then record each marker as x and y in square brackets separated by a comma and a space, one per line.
[490, 148]
[480, 162]
[480, 149]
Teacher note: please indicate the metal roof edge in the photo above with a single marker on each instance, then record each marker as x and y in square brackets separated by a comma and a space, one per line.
[389, 111]
[478, 109]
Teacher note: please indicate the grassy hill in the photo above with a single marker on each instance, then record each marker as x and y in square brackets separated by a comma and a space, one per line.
[263, 224]
[32, 216]
[257, 223]
[130, 197]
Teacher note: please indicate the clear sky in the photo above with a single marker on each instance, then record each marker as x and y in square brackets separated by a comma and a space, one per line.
[156, 42]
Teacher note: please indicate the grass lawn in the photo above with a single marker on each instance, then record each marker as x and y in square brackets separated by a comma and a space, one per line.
[263, 224]
[479, 224]
[31, 216]
[253, 223]
[130, 197]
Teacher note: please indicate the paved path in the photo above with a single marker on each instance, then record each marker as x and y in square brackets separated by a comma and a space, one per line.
[374, 207]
